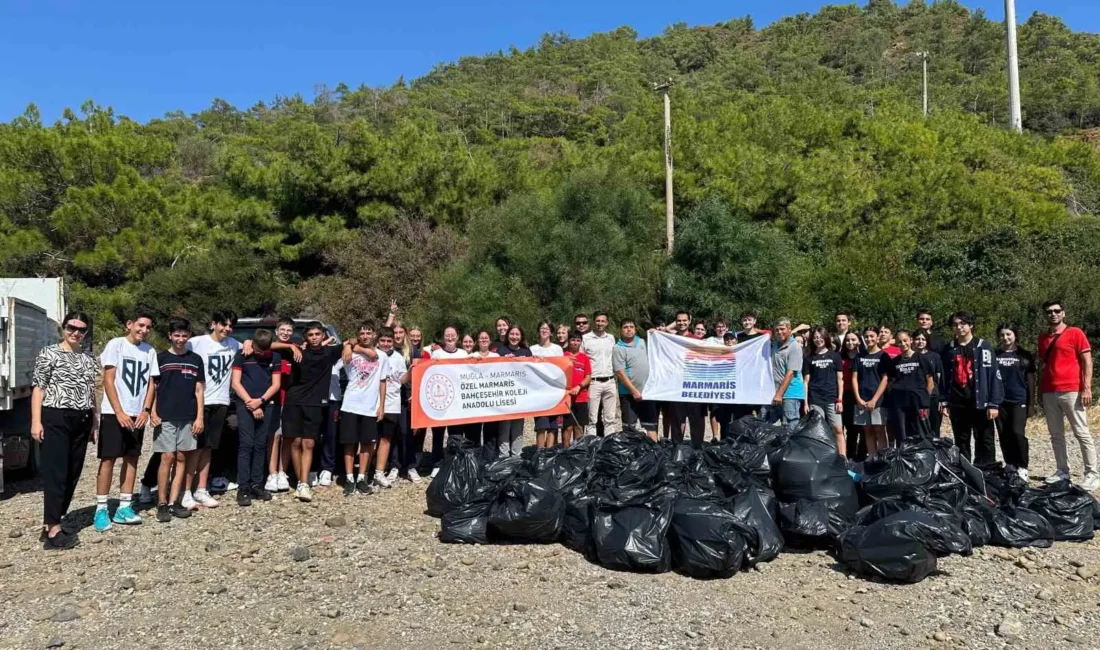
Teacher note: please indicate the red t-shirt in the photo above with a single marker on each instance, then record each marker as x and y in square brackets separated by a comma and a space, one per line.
[892, 351]
[846, 369]
[1062, 368]
[582, 367]
[284, 369]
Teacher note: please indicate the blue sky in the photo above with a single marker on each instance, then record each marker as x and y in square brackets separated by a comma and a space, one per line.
[148, 58]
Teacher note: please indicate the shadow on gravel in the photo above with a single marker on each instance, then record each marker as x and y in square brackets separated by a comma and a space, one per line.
[14, 488]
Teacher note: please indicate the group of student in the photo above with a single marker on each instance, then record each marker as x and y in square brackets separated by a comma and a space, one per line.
[874, 388]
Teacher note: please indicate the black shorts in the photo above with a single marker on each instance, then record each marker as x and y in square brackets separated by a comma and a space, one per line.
[389, 425]
[303, 421]
[117, 442]
[358, 429]
[213, 423]
[580, 415]
[548, 423]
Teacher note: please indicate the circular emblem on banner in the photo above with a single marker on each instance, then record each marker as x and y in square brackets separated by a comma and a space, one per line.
[440, 392]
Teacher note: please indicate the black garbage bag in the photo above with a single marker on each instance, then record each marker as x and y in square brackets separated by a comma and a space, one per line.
[941, 531]
[693, 478]
[1005, 488]
[751, 509]
[732, 481]
[739, 455]
[953, 467]
[913, 465]
[888, 549]
[676, 453]
[977, 514]
[566, 469]
[458, 480]
[1016, 527]
[817, 497]
[527, 510]
[633, 535]
[642, 476]
[613, 454]
[576, 534]
[758, 432]
[706, 540]
[1067, 507]
[467, 523]
[504, 469]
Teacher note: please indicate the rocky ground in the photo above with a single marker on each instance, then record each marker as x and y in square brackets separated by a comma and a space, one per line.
[368, 572]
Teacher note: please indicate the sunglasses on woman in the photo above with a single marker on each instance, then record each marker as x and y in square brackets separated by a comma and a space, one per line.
[73, 329]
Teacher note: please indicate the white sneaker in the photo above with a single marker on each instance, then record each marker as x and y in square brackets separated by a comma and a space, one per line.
[312, 479]
[303, 493]
[392, 475]
[1091, 482]
[381, 481]
[1057, 476]
[283, 482]
[219, 483]
[1022, 473]
[231, 486]
[272, 484]
[413, 476]
[146, 495]
[188, 501]
[435, 472]
[203, 498]
[325, 479]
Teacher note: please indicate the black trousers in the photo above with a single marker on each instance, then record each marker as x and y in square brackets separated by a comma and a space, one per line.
[854, 441]
[695, 415]
[972, 423]
[935, 418]
[1010, 430]
[64, 445]
[907, 423]
[252, 445]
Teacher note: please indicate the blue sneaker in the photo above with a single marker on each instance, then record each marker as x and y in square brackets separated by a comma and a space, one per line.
[102, 521]
[126, 515]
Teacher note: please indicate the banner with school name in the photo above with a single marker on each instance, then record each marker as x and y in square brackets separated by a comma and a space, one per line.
[462, 391]
[683, 369]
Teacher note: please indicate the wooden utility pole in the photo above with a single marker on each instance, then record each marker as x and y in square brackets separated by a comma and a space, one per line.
[669, 218]
[1015, 121]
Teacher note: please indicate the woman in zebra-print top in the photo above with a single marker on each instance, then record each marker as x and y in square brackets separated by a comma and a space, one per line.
[63, 418]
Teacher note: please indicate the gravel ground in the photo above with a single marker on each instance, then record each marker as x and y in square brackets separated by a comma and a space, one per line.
[368, 572]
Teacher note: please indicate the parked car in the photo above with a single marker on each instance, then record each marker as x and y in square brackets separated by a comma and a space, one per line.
[246, 327]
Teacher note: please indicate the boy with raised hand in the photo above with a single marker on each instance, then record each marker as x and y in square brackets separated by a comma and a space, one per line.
[129, 366]
[396, 375]
[362, 409]
[256, 381]
[217, 350]
[177, 417]
[307, 398]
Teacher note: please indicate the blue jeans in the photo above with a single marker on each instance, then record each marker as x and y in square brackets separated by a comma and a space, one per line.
[252, 447]
[789, 413]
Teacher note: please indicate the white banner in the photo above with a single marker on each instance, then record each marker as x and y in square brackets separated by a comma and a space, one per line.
[683, 369]
[460, 391]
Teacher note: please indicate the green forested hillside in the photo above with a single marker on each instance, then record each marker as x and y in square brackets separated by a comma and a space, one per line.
[531, 182]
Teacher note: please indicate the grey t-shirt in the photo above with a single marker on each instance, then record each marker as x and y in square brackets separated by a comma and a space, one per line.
[634, 360]
[785, 358]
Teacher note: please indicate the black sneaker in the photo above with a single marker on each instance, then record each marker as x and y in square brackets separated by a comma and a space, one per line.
[260, 493]
[178, 511]
[363, 486]
[60, 542]
[349, 488]
[163, 514]
[244, 498]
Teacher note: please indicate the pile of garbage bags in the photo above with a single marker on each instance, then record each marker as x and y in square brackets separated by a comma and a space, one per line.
[632, 504]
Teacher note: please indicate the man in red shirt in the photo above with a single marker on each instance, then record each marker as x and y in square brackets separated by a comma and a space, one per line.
[1066, 365]
[582, 376]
